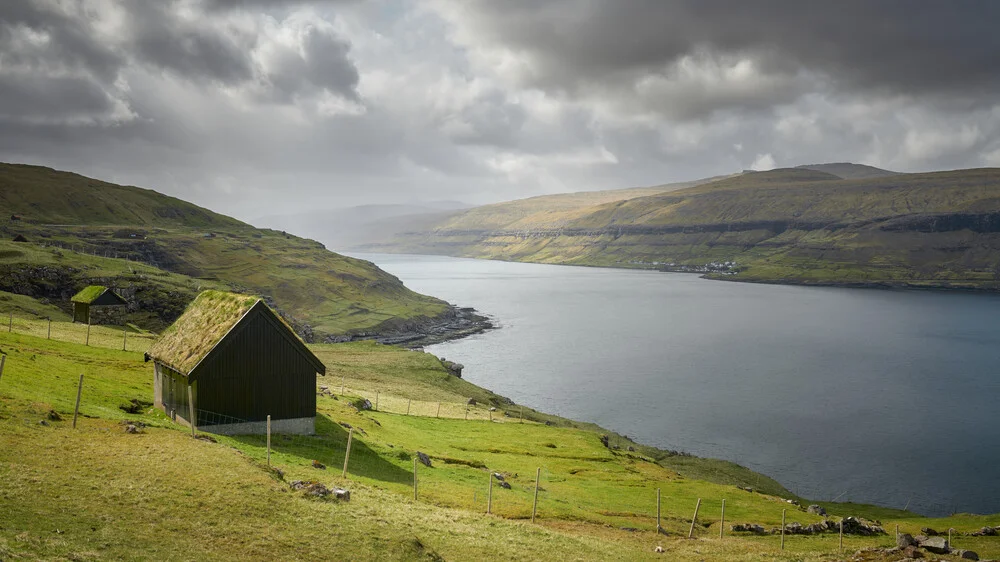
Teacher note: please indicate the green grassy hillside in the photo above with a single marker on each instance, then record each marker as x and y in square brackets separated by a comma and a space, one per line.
[44, 195]
[82, 231]
[797, 225]
[99, 493]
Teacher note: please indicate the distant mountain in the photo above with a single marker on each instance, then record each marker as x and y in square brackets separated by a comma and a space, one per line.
[83, 231]
[346, 227]
[544, 211]
[796, 225]
[849, 171]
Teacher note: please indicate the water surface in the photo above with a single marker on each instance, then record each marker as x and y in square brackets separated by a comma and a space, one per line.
[887, 397]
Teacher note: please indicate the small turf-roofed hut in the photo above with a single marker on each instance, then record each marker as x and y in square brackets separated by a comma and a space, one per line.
[98, 305]
[238, 362]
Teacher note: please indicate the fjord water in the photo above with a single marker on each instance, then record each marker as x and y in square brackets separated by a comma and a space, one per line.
[886, 397]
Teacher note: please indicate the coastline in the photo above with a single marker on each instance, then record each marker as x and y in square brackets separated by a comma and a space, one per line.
[455, 323]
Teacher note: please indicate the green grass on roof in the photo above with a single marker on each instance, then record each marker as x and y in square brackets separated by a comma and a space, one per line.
[207, 319]
[88, 294]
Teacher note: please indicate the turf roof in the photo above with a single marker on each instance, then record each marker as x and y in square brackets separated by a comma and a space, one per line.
[206, 321]
[89, 294]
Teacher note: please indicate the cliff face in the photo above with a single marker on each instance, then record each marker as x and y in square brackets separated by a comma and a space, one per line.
[798, 225]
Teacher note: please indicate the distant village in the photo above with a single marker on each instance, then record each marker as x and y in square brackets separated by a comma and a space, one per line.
[718, 267]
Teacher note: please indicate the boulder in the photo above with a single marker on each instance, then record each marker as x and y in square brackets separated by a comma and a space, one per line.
[927, 531]
[904, 540]
[342, 494]
[131, 429]
[319, 465]
[937, 545]
[747, 528]
[54, 416]
[911, 552]
[965, 554]
[604, 440]
[498, 476]
[424, 459]
[816, 510]
[505, 485]
[43, 422]
[471, 402]
[314, 489]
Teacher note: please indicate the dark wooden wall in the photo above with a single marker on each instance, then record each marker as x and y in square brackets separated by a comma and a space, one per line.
[258, 370]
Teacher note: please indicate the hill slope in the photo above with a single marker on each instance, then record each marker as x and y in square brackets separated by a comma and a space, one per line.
[849, 171]
[99, 492]
[185, 248]
[44, 195]
[796, 225]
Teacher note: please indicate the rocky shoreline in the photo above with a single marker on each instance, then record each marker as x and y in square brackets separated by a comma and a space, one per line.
[456, 323]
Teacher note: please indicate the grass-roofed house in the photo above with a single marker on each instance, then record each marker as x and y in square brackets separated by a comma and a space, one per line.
[232, 361]
[99, 305]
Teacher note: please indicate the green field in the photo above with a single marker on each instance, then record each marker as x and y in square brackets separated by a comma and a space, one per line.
[99, 493]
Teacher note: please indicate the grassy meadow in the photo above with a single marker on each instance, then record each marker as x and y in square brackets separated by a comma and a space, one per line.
[99, 493]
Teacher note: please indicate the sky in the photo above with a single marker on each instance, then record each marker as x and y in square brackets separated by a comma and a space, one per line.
[263, 107]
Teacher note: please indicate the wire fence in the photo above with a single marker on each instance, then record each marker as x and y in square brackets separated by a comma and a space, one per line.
[110, 337]
[388, 403]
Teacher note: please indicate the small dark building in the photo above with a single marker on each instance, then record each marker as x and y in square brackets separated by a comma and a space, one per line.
[20, 238]
[99, 305]
[239, 362]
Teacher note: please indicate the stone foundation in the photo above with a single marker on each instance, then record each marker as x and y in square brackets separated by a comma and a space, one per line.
[296, 426]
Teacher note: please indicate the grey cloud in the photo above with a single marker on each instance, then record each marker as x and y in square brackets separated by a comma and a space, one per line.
[195, 49]
[323, 64]
[55, 98]
[69, 43]
[911, 47]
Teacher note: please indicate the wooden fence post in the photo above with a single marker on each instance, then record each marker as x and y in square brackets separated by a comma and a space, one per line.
[76, 410]
[124, 338]
[88, 335]
[491, 415]
[658, 528]
[3, 361]
[191, 417]
[841, 534]
[697, 506]
[722, 520]
[489, 495]
[783, 529]
[466, 413]
[414, 478]
[438, 414]
[534, 504]
[347, 454]
[269, 440]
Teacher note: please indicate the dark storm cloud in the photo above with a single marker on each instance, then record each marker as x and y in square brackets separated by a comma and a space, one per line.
[191, 47]
[321, 63]
[911, 47]
[62, 41]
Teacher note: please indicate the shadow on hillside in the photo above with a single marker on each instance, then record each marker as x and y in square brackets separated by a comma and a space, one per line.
[328, 446]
